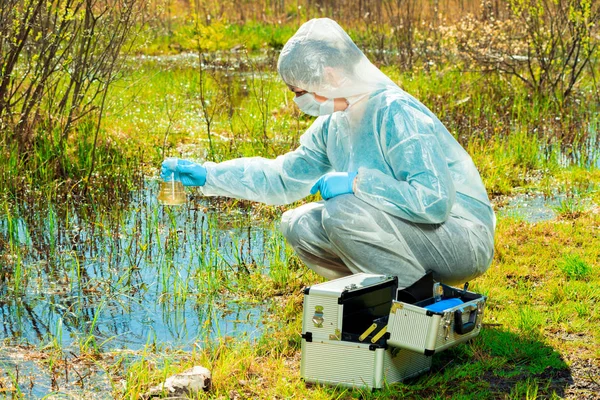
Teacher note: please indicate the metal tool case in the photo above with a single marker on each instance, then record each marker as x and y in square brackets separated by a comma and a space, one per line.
[344, 334]
[361, 330]
[358, 365]
[412, 327]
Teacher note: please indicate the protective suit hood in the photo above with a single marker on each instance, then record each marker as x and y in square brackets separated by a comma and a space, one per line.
[321, 58]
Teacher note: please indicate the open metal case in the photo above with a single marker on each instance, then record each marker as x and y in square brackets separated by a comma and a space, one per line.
[335, 348]
[413, 327]
[362, 331]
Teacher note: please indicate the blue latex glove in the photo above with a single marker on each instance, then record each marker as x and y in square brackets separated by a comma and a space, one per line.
[189, 173]
[334, 184]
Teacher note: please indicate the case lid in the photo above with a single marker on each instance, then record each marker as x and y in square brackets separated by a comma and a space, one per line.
[352, 282]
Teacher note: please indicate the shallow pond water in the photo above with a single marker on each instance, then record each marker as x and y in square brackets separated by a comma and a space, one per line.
[149, 274]
[113, 279]
[536, 207]
[531, 208]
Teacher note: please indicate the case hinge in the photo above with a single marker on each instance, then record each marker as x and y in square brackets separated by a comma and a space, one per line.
[396, 306]
[336, 336]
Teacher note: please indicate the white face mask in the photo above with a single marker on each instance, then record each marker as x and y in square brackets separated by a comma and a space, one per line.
[309, 105]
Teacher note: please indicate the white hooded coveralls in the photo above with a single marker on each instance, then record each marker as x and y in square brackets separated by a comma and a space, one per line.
[419, 203]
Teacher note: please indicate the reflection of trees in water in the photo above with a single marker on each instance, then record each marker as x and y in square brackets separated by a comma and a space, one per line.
[134, 273]
[117, 322]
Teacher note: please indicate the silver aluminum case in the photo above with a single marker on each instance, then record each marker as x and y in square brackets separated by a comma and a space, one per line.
[415, 328]
[351, 364]
[327, 324]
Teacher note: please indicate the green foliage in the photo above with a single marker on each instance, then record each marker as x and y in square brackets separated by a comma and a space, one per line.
[527, 389]
[518, 354]
[574, 267]
[53, 163]
[255, 36]
[530, 322]
[570, 207]
[193, 35]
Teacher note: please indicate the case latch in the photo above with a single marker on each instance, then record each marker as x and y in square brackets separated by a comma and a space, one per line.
[447, 325]
[318, 318]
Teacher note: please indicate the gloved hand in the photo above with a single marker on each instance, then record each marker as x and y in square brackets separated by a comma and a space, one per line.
[189, 173]
[334, 184]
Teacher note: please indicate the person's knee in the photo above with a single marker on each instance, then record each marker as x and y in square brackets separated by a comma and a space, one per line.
[285, 223]
[342, 216]
[296, 224]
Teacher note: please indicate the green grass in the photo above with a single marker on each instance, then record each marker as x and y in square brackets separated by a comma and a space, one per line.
[575, 268]
[218, 36]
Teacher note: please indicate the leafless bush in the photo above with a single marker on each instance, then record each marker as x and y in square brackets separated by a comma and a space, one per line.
[210, 90]
[404, 16]
[57, 60]
[407, 32]
[261, 87]
[547, 44]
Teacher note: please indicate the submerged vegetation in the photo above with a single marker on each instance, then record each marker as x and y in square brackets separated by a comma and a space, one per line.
[104, 292]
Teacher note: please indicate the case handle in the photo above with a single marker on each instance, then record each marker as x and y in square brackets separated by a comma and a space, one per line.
[461, 327]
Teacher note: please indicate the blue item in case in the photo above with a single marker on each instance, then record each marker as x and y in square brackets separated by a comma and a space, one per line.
[444, 304]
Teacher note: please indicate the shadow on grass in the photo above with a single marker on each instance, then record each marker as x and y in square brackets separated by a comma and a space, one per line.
[497, 364]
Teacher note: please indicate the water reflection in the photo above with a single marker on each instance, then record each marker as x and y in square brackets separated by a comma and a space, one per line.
[530, 208]
[130, 277]
[536, 207]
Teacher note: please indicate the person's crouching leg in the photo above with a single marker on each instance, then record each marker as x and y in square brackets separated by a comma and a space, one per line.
[303, 230]
[369, 240]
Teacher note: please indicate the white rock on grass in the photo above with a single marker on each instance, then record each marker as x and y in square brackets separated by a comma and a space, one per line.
[191, 381]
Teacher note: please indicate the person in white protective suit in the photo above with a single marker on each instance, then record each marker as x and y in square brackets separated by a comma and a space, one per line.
[401, 196]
